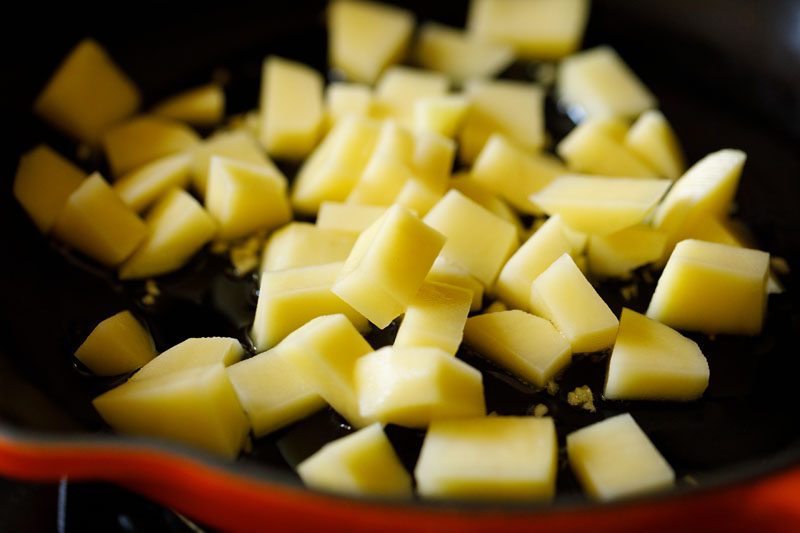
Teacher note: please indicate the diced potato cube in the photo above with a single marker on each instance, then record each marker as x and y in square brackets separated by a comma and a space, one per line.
[614, 459]
[244, 197]
[653, 140]
[479, 194]
[177, 228]
[598, 83]
[348, 217]
[289, 298]
[400, 87]
[300, 244]
[527, 345]
[237, 145]
[117, 345]
[476, 239]
[441, 114]
[144, 139]
[412, 386]
[537, 29]
[382, 180]
[325, 352]
[495, 457]
[200, 106]
[387, 265]
[458, 54]
[143, 186]
[342, 99]
[565, 297]
[363, 463]
[198, 407]
[512, 108]
[44, 182]
[713, 288]
[433, 159]
[192, 353]
[495, 307]
[547, 244]
[366, 37]
[448, 272]
[87, 94]
[600, 205]
[272, 392]
[418, 196]
[291, 108]
[652, 361]
[619, 254]
[96, 222]
[435, 317]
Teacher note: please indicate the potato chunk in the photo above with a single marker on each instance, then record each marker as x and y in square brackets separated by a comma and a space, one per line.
[653, 140]
[448, 272]
[496, 457]
[87, 94]
[192, 353]
[713, 288]
[144, 139]
[614, 459]
[299, 244]
[342, 99]
[200, 106]
[435, 317]
[652, 361]
[143, 186]
[363, 463]
[529, 346]
[400, 87]
[412, 386]
[117, 345]
[348, 218]
[442, 114]
[618, 254]
[237, 145]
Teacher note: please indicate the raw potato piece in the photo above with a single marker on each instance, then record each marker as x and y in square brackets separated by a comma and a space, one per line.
[619, 254]
[299, 244]
[237, 145]
[536, 29]
[342, 99]
[435, 317]
[525, 344]
[272, 392]
[479, 194]
[496, 457]
[433, 159]
[441, 114]
[446, 271]
[291, 108]
[614, 459]
[177, 228]
[192, 353]
[144, 139]
[366, 37]
[117, 345]
[245, 197]
[96, 222]
[400, 87]
[43, 183]
[363, 463]
[565, 297]
[712, 288]
[414, 386]
[201, 106]
[87, 94]
[598, 83]
[653, 140]
[143, 186]
[348, 218]
[652, 361]
[387, 265]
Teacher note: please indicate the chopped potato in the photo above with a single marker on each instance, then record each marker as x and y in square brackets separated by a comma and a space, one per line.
[200, 106]
[117, 345]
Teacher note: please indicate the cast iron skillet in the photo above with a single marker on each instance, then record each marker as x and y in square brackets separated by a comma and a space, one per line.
[726, 76]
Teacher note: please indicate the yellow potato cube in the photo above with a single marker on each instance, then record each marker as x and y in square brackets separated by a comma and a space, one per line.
[325, 352]
[527, 345]
[441, 114]
[192, 353]
[200, 106]
[382, 180]
[43, 183]
[272, 392]
[653, 140]
[538, 29]
[387, 265]
[433, 159]
[713, 288]
[514, 174]
[143, 186]
[458, 54]
[435, 317]
[96, 222]
[117, 345]
[300, 244]
[418, 197]
[619, 254]
[291, 108]
[361, 464]
[144, 139]
[495, 457]
[366, 37]
[342, 99]
[479, 194]
[197, 407]
[614, 459]
[652, 361]
[413, 386]
[448, 272]
[400, 87]
[289, 298]
[495, 307]
[348, 217]
[564, 296]
[600, 205]
[177, 228]
[244, 197]
[87, 94]
[476, 239]
[598, 83]
[547, 244]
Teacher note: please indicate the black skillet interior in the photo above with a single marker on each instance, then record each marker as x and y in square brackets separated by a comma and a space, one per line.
[725, 76]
